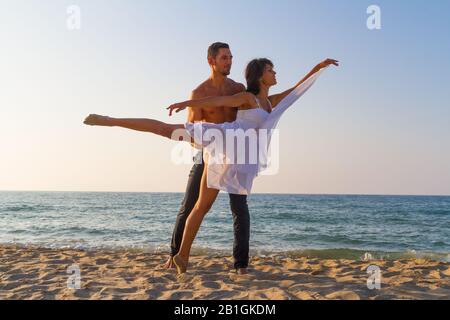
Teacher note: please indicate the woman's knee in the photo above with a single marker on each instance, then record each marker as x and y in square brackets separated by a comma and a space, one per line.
[203, 207]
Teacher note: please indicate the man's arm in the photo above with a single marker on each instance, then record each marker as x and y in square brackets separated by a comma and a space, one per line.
[240, 87]
[195, 114]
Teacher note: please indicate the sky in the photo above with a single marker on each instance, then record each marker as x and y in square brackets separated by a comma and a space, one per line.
[378, 124]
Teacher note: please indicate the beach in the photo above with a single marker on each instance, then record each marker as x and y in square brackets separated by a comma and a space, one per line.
[30, 272]
[301, 247]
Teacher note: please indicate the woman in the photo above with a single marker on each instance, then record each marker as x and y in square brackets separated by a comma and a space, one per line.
[256, 110]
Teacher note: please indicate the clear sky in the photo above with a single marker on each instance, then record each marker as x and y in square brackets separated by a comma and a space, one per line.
[378, 124]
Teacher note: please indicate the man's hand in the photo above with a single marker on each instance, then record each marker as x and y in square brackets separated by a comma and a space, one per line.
[177, 107]
[98, 120]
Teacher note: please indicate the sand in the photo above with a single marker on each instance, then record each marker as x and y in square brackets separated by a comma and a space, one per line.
[39, 273]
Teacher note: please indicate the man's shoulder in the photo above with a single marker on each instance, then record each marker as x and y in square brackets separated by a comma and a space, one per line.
[237, 86]
[204, 88]
[200, 89]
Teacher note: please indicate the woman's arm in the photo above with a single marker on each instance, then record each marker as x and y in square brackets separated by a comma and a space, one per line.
[276, 98]
[234, 101]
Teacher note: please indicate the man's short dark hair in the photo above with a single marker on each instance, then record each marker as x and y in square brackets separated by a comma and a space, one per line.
[213, 49]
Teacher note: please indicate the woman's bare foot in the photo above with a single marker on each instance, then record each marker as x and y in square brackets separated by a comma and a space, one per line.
[97, 120]
[180, 264]
[169, 264]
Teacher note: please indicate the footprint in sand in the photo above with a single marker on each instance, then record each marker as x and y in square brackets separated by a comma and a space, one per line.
[210, 285]
[348, 278]
[21, 276]
[178, 295]
[59, 262]
[48, 276]
[102, 261]
[241, 277]
[286, 283]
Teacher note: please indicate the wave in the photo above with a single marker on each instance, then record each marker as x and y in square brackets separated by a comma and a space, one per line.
[34, 208]
[312, 253]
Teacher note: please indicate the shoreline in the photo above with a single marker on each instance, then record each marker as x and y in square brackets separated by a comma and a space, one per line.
[310, 253]
[45, 273]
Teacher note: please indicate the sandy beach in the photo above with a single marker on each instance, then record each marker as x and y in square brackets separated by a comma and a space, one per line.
[39, 273]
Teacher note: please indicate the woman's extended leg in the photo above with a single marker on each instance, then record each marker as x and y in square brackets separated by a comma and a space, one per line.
[204, 203]
[146, 125]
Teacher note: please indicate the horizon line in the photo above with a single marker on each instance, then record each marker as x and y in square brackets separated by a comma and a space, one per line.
[253, 193]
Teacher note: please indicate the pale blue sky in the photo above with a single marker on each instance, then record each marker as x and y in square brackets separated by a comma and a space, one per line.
[379, 124]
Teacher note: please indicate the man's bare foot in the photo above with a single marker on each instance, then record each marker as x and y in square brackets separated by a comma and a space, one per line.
[242, 271]
[180, 264]
[169, 264]
[97, 120]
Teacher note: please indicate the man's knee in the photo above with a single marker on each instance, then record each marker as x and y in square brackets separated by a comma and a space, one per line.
[238, 204]
[186, 208]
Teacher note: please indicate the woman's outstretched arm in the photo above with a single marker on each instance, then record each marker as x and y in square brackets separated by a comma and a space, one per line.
[234, 101]
[145, 125]
[276, 98]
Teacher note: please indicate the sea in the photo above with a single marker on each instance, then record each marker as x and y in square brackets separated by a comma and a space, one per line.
[359, 227]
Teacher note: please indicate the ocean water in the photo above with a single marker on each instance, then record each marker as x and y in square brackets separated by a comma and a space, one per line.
[324, 226]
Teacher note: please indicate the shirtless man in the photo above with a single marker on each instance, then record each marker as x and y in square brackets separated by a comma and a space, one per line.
[218, 84]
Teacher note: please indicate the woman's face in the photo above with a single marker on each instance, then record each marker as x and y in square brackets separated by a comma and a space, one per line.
[269, 76]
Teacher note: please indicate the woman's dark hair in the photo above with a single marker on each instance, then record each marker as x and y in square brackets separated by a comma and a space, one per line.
[254, 72]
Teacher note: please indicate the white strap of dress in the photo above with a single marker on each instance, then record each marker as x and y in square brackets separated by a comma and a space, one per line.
[257, 102]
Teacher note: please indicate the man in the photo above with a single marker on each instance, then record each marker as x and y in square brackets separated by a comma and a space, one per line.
[218, 84]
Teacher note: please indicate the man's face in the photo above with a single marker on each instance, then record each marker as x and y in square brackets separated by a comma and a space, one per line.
[222, 62]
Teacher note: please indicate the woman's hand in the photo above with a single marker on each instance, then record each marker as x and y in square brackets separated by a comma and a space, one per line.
[177, 107]
[326, 63]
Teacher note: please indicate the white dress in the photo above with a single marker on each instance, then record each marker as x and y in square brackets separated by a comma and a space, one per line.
[233, 176]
